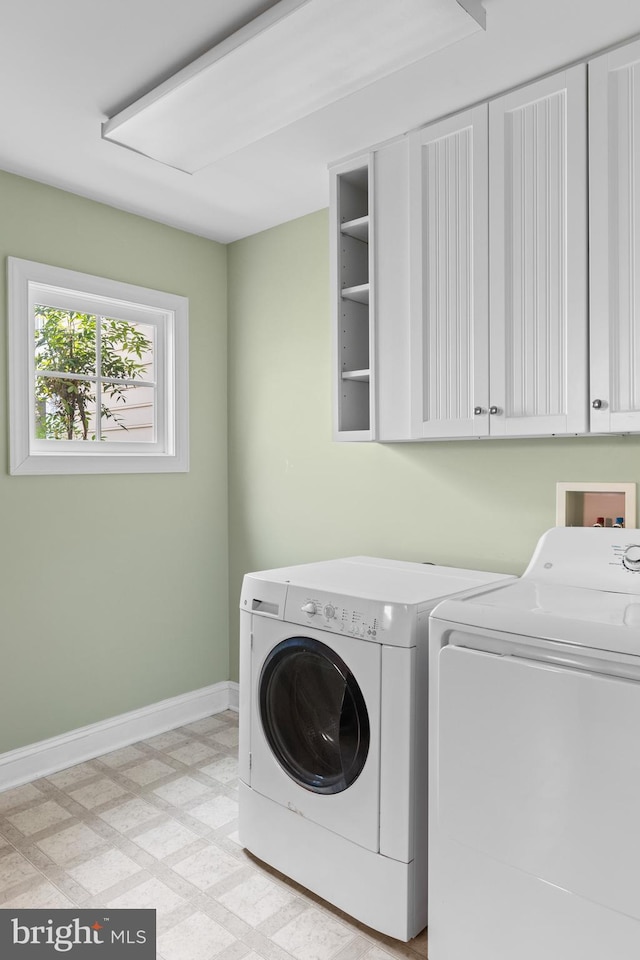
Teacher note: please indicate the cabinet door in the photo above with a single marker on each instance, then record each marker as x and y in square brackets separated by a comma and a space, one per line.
[449, 271]
[614, 196]
[538, 271]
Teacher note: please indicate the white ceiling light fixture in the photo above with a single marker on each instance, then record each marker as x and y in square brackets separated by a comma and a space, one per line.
[296, 58]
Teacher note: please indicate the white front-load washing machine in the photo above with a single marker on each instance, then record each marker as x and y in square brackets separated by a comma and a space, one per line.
[333, 729]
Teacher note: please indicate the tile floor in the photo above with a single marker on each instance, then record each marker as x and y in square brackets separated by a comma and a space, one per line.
[155, 825]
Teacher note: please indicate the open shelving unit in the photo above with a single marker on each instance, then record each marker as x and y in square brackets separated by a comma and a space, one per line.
[351, 262]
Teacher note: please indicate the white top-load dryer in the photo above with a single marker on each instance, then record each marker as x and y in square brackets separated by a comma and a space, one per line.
[534, 806]
[333, 729]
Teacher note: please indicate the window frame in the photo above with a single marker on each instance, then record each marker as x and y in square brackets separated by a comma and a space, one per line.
[29, 283]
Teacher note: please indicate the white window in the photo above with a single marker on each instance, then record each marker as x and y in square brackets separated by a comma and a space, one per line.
[98, 374]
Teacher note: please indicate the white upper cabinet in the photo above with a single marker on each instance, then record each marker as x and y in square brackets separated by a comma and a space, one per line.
[449, 277]
[487, 267]
[614, 158]
[538, 261]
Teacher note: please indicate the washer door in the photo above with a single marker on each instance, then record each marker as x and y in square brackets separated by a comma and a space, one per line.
[314, 716]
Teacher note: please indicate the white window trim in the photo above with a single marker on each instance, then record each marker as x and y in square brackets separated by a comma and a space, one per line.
[28, 455]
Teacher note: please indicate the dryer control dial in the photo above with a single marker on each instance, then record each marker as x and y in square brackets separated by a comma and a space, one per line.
[631, 558]
[310, 608]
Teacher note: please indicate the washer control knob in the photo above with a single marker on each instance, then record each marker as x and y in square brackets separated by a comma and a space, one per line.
[310, 608]
[631, 558]
[329, 611]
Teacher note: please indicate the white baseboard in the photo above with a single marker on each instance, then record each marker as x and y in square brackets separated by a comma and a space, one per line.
[233, 696]
[48, 756]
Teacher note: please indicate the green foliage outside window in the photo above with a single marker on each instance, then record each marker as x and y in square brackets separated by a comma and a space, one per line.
[65, 343]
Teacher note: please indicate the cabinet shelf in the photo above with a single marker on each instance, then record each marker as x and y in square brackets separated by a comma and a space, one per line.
[362, 376]
[358, 228]
[359, 293]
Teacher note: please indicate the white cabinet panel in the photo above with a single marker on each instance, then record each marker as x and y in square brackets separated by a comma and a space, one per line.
[614, 158]
[391, 280]
[449, 277]
[538, 273]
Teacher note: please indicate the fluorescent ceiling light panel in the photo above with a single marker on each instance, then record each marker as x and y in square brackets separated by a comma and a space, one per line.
[298, 57]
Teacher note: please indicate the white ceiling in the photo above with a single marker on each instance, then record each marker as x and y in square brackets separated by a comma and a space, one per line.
[68, 65]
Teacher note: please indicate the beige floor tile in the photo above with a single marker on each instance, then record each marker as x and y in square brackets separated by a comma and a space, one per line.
[207, 867]
[17, 796]
[71, 842]
[42, 896]
[195, 752]
[104, 871]
[72, 775]
[355, 949]
[117, 758]
[14, 868]
[377, 953]
[224, 770]
[181, 791]
[217, 902]
[166, 838]
[387, 949]
[216, 812]
[196, 938]
[255, 899]
[148, 772]
[150, 895]
[313, 935]
[229, 737]
[39, 817]
[98, 792]
[206, 725]
[165, 740]
[133, 813]
[237, 950]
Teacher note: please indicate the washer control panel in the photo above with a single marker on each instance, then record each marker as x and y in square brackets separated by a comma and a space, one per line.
[590, 557]
[335, 615]
[394, 624]
[631, 558]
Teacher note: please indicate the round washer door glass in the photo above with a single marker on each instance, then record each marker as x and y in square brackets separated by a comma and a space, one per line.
[314, 715]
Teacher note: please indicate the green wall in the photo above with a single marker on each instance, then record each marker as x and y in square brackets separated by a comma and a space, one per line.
[295, 496]
[114, 589]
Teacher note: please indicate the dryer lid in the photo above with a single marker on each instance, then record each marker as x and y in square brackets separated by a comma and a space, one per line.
[576, 589]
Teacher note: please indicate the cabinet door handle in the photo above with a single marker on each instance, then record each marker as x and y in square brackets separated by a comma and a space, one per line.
[478, 411]
[597, 404]
[493, 410]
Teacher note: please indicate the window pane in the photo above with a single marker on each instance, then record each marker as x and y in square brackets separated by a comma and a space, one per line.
[65, 340]
[128, 413]
[64, 408]
[127, 350]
